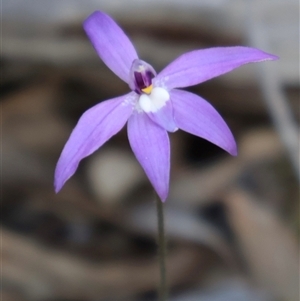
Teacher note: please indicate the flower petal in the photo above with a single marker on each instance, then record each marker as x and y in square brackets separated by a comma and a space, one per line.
[111, 43]
[198, 66]
[93, 129]
[151, 146]
[195, 115]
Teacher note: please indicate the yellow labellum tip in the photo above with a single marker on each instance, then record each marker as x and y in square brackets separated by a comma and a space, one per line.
[148, 89]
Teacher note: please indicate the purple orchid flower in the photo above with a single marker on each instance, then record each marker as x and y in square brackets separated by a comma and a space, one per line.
[154, 106]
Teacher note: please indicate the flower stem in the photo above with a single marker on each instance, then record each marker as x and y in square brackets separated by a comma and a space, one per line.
[163, 291]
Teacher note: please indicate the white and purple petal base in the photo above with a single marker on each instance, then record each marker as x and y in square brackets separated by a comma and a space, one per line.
[158, 107]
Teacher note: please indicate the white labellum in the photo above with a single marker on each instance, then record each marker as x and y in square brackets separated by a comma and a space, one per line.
[154, 101]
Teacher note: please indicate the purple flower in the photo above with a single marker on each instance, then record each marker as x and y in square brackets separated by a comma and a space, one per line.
[154, 106]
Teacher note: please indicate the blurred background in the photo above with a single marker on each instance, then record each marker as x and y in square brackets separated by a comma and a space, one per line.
[232, 223]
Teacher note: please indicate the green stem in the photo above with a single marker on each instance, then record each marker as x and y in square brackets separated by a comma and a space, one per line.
[163, 291]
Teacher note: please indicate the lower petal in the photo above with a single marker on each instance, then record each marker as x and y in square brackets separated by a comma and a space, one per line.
[93, 129]
[195, 115]
[151, 146]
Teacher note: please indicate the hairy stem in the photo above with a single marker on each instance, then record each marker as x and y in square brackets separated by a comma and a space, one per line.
[163, 291]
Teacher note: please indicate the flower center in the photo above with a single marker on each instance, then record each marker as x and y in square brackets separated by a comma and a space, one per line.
[154, 101]
[141, 75]
[148, 89]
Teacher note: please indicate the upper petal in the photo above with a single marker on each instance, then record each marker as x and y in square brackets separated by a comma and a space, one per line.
[111, 43]
[200, 65]
[93, 129]
[195, 115]
[151, 146]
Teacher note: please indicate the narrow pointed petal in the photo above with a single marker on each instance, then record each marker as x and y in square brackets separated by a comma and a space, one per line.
[111, 43]
[151, 146]
[195, 115]
[198, 66]
[93, 129]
